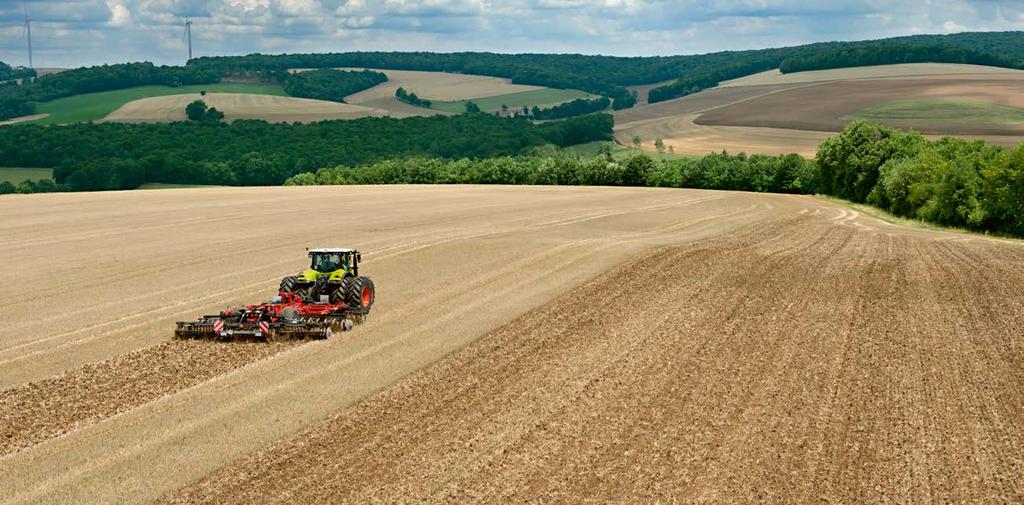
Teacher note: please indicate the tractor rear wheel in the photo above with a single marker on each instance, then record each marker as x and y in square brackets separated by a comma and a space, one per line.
[288, 284]
[360, 293]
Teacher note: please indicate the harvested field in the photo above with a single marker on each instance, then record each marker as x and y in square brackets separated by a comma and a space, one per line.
[826, 106]
[624, 344]
[240, 106]
[438, 86]
[797, 360]
[673, 121]
[870, 72]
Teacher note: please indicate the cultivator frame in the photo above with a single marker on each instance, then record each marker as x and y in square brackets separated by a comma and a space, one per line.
[287, 317]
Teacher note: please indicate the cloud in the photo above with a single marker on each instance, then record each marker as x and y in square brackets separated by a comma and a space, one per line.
[70, 33]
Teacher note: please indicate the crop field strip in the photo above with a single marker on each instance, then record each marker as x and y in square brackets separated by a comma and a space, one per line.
[680, 374]
[241, 106]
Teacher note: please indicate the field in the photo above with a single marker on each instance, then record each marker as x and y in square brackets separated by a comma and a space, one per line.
[452, 88]
[542, 98]
[16, 175]
[774, 77]
[96, 106]
[930, 111]
[529, 344]
[771, 113]
[271, 108]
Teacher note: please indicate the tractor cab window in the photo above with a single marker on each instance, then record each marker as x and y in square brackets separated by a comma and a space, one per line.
[327, 262]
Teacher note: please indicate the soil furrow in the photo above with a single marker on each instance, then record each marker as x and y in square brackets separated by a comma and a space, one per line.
[38, 411]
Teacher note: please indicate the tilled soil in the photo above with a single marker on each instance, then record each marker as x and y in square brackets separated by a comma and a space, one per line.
[826, 106]
[37, 411]
[800, 360]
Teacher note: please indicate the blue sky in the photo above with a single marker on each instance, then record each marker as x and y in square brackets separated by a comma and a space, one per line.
[87, 32]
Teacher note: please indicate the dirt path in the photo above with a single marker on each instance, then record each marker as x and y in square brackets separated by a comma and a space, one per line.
[42, 410]
[814, 357]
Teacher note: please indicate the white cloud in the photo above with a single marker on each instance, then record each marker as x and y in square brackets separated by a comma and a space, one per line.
[123, 30]
[119, 14]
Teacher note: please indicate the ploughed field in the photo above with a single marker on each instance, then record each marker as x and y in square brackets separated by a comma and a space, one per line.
[528, 344]
[772, 113]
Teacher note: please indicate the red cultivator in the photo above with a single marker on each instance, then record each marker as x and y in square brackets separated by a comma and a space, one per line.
[287, 317]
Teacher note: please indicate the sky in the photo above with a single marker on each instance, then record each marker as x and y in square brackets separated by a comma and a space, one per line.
[90, 32]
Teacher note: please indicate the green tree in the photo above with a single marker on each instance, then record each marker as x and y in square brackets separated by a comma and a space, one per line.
[472, 108]
[196, 111]
[7, 188]
[637, 141]
[214, 115]
[659, 145]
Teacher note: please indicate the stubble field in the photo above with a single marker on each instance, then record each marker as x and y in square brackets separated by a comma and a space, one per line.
[529, 344]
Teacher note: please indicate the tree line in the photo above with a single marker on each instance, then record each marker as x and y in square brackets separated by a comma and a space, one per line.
[780, 174]
[410, 98]
[951, 181]
[889, 54]
[103, 156]
[8, 72]
[576, 107]
[327, 83]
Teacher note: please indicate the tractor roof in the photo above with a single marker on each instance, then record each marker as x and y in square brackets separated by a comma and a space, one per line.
[331, 250]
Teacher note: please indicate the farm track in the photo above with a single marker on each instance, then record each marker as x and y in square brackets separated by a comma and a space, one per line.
[720, 330]
[803, 359]
[39, 411]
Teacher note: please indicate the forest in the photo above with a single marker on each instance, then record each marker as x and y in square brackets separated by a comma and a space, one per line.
[103, 156]
[327, 83]
[7, 72]
[568, 109]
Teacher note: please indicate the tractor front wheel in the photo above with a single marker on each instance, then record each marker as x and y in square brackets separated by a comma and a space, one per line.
[288, 284]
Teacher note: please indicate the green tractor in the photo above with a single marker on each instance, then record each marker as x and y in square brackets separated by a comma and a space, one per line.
[332, 277]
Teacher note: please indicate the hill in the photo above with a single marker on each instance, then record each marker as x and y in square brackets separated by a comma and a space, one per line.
[774, 113]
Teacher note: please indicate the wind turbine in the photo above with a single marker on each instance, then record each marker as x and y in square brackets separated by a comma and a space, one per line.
[28, 33]
[188, 35]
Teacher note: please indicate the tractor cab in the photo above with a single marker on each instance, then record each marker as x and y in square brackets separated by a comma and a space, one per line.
[333, 262]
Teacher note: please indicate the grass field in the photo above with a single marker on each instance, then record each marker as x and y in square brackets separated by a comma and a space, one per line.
[541, 97]
[941, 110]
[95, 106]
[16, 175]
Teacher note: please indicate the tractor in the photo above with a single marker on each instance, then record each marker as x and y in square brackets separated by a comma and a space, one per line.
[328, 297]
[332, 276]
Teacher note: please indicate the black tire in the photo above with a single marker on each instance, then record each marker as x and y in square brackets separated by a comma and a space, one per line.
[360, 293]
[288, 284]
[341, 291]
